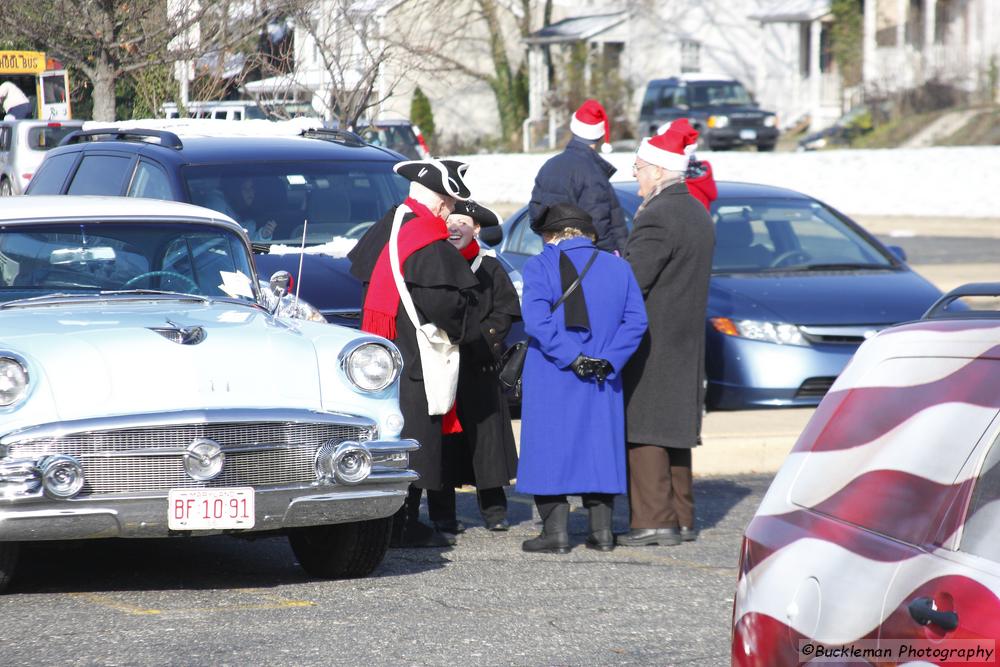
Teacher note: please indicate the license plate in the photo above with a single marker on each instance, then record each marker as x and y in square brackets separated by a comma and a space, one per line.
[210, 509]
[748, 135]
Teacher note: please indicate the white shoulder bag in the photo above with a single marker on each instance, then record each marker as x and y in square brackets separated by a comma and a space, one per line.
[438, 355]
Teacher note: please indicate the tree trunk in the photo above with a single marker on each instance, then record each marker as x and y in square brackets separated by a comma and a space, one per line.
[102, 76]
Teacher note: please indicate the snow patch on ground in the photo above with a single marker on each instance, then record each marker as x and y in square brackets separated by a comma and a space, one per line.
[955, 182]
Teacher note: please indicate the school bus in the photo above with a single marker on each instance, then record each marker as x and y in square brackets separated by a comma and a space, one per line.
[43, 80]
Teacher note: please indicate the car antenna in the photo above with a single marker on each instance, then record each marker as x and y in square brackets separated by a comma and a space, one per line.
[302, 252]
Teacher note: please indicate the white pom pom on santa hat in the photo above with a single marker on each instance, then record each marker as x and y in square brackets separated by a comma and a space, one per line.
[591, 122]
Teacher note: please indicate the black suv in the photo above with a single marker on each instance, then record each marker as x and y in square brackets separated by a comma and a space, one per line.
[325, 187]
[720, 109]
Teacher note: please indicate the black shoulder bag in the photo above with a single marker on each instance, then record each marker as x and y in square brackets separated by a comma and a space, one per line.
[512, 361]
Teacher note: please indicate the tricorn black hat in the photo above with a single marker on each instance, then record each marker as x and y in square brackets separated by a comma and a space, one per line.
[482, 216]
[444, 177]
[558, 217]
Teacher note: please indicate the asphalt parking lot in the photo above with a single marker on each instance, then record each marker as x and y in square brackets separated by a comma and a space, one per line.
[223, 601]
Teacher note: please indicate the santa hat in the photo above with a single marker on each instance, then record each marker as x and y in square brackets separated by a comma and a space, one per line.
[672, 148]
[590, 122]
[680, 125]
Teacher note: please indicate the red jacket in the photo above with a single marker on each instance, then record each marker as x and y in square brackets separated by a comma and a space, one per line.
[703, 187]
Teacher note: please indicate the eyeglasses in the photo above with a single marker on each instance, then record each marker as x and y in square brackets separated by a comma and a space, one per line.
[636, 168]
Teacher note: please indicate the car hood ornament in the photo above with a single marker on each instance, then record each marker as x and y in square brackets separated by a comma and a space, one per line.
[181, 335]
[203, 459]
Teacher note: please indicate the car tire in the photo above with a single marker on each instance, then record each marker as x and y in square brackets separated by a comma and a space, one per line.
[341, 551]
[5, 189]
[765, 148]
[9, 552]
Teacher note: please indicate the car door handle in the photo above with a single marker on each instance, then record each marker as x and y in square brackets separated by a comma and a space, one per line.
[923, 612]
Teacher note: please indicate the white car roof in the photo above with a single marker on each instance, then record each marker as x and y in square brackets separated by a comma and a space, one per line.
[63, 207]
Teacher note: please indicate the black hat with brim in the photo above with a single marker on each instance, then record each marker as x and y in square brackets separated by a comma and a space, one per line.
[481, 215]
[444, 177]
[558, 217]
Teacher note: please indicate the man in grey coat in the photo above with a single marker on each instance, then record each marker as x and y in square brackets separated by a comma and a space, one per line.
[670, 251]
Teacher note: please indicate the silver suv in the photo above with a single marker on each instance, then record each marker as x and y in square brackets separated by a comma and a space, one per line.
[23, 144]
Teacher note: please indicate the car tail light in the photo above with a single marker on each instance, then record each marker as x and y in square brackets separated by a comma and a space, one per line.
[54, 125]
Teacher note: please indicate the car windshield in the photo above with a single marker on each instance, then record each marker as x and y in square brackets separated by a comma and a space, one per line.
[277, 202]
[717, 93]
[91, 257]
[761, 235]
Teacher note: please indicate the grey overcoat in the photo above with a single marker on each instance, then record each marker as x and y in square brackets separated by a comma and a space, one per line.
[670, 251]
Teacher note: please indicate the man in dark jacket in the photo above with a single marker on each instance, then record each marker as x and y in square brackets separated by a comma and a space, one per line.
[580, 176]
[670, 251]
[441, 286]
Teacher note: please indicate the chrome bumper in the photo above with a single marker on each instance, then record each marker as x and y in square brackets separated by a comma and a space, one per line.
[146, 515]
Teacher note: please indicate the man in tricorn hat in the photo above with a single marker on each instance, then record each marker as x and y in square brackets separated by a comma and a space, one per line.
[439, 282]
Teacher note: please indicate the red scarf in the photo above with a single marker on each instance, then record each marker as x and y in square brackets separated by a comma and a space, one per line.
[471, 251]
[382, 299]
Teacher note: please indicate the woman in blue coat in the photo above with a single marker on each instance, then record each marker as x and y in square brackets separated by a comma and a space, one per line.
[572, 413]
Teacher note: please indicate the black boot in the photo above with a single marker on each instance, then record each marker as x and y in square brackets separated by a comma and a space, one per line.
[409, 531]
[493, 507]
[555, 532]
[601, 510]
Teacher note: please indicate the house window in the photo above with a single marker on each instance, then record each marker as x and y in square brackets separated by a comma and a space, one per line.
[690, 56]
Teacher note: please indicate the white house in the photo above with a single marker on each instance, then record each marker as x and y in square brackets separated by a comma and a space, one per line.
[910, 42]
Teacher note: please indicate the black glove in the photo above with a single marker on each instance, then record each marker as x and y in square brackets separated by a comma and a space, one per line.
[586, 367]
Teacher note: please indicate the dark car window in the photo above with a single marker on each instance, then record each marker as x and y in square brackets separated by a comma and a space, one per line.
[762, 234]
[150, 181]
[49, 178]
[325, 199]
[718, 93]
[47, 137]
[981, 534]
[399, 138]
[100, 175]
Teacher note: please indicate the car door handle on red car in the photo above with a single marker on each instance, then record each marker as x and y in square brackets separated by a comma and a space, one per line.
[923, 612]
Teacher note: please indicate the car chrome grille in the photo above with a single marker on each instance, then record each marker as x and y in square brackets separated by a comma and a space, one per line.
[149, 459]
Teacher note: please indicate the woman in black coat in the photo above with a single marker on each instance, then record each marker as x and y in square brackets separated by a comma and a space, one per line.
[484, 453]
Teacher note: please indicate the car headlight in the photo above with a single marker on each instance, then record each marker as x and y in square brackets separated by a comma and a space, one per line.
[371, 365]
[770, 332]
[718, 122]
[771, 121]
[299, 310]
[13, 381]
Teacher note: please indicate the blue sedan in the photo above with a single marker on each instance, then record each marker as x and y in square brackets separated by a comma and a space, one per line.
[796, 287]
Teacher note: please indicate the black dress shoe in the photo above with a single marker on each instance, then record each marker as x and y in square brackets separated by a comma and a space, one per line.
[419, 535]
[601, 541]
[688, 534]
[644, 537]
[498, 526]
[453, 527]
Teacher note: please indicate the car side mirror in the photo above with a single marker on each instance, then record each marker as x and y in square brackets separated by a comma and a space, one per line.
[491, 235]
[898, 252]
[281, 283]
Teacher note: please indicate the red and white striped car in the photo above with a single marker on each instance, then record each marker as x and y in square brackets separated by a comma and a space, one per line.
[883, 524]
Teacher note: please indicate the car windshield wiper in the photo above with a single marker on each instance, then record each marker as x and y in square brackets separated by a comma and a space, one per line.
[833, 266]
[58, 297]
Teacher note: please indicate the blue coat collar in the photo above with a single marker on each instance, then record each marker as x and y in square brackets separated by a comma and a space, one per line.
[580, 146]
[571, 244]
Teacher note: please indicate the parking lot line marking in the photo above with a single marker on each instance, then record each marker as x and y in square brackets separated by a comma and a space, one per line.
[111, 603]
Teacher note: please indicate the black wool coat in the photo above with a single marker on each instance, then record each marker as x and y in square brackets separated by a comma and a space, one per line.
[670, 251]
[580, 176]
[485, 454]
[442, 288]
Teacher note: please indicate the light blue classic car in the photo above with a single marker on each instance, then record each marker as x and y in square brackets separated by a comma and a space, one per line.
[134, 402]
